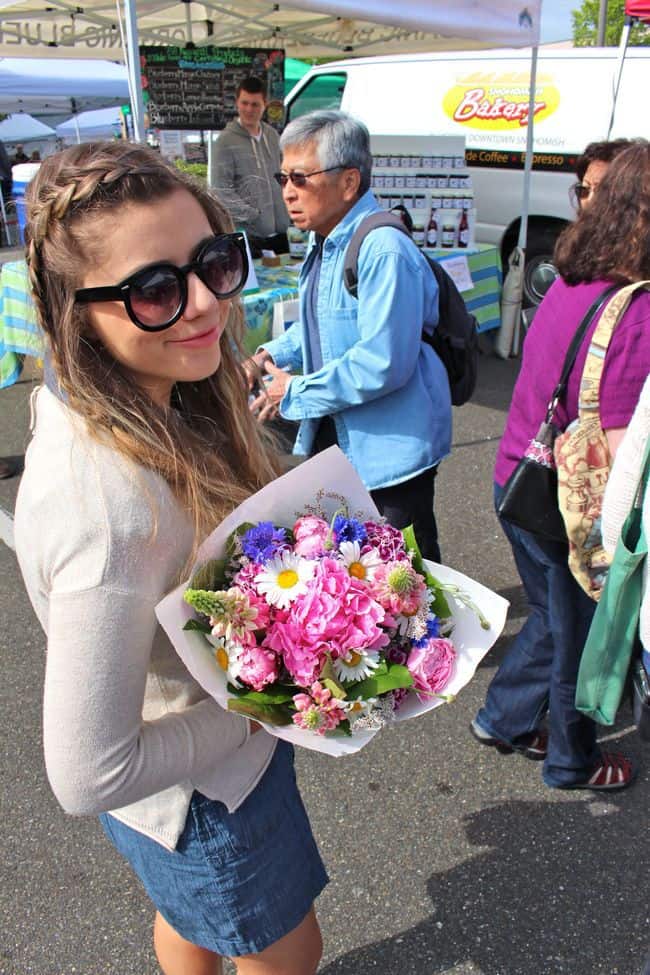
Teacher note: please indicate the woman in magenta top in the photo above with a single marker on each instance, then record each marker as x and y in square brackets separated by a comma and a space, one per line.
[609, 242]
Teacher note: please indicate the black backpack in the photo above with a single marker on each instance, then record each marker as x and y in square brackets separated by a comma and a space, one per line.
[455, 339]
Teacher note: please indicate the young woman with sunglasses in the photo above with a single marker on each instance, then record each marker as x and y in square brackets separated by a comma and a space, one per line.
[144, 445]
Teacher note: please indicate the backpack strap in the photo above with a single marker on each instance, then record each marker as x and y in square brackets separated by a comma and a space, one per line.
[351, 260]
[589, 396]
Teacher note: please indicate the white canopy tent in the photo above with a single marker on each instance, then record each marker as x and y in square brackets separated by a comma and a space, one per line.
[102, 123]
[51, 89]
[22, 129]
[303, 28]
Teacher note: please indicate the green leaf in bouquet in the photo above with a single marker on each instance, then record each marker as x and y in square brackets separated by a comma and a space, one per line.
[274, 714]
[231, 542]
[279, 694]
[199, 625]
[342, 730]
[334, 688]
[439, 604]
[397, 676]
[329, 680]
[408, 534]
[211, 576]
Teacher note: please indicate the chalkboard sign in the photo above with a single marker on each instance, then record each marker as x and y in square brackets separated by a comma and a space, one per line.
[194, 87]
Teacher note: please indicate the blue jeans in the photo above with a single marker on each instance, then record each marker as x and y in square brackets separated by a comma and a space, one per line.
[540, 669]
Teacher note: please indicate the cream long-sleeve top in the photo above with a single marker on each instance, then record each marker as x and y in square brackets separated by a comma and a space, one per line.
[621, 492]
[126, 728]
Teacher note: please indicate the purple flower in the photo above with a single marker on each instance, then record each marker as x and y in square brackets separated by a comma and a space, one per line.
[348, 530]
[433, 631]
[263, 541]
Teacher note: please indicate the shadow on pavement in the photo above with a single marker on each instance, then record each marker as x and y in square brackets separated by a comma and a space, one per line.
[500, 909]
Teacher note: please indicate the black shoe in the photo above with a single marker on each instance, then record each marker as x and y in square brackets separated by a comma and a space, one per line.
[534, 745]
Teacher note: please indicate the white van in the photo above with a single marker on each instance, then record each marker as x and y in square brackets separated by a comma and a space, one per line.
[483, 95]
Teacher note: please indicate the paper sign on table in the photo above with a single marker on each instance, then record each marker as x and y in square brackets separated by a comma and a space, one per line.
[458, 270]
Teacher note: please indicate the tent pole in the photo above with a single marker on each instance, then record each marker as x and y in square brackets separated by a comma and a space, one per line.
[133, 67]
[622, 48]
[528, 164]
[507, 340]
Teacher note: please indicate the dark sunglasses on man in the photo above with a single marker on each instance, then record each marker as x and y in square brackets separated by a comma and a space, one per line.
[156, 296]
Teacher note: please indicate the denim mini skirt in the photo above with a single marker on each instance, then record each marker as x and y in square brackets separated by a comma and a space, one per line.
[236, 882]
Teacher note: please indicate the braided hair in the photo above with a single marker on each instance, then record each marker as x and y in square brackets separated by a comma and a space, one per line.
[207, 446]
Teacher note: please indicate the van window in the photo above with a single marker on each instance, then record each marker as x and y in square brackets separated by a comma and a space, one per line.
[325, 91]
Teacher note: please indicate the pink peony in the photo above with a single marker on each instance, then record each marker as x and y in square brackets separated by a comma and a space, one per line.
[337, 614]
[317, 711]
[431, 666]
[303, 658]
[259, 667]
[310, 534]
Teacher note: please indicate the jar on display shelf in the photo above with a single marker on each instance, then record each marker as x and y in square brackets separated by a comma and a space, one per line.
[418, 234]
[448, 233]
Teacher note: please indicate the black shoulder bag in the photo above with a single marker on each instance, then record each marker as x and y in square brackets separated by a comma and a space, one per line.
[530, 496]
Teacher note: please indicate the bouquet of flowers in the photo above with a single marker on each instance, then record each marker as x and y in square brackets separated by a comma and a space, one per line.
[322, 622]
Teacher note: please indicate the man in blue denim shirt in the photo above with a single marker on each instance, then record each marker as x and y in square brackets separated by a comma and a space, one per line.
[368, 381]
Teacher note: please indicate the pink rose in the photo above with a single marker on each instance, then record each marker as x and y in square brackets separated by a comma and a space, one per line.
[310, 533]
[259, 667]
[431, 667]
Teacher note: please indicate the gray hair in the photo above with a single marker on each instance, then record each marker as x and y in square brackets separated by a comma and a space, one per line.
[340, 141]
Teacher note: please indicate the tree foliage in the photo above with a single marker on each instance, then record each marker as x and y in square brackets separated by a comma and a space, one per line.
[585, 25]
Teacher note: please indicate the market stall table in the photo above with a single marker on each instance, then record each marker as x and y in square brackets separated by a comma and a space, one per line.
[19, 334]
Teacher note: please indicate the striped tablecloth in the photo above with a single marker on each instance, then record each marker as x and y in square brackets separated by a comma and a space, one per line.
[19, 334]
[484, 299]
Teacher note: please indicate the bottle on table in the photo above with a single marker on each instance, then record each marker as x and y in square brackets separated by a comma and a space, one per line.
[432, 230]
[463, 230]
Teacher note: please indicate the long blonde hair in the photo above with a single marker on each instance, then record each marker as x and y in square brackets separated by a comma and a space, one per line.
[207, 446]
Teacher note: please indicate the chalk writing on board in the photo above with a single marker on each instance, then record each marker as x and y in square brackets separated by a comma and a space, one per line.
[195, 88]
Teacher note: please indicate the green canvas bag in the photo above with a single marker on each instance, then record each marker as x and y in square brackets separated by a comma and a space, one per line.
[614, 630]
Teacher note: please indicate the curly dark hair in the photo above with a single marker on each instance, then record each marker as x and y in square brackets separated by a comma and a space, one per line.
[601, 152]
[611, 238]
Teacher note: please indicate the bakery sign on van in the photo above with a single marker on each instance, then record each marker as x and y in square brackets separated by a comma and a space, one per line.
[499, 100]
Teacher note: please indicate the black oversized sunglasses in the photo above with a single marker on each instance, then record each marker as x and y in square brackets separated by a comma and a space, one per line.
[300, 179]
[156, 296]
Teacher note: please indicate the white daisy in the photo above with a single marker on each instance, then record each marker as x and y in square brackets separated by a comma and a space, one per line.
[357, 665]
[227, 656]
[283, 578]
[358, 707]
[359, 566]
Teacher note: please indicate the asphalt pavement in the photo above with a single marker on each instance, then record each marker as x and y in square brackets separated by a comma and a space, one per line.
[444, 856]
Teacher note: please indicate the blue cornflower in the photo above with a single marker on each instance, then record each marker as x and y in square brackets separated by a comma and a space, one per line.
[263, 541]
[433, 631]
[348, 530]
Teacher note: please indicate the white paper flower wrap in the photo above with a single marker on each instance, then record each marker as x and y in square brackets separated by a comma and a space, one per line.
[321, 485]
